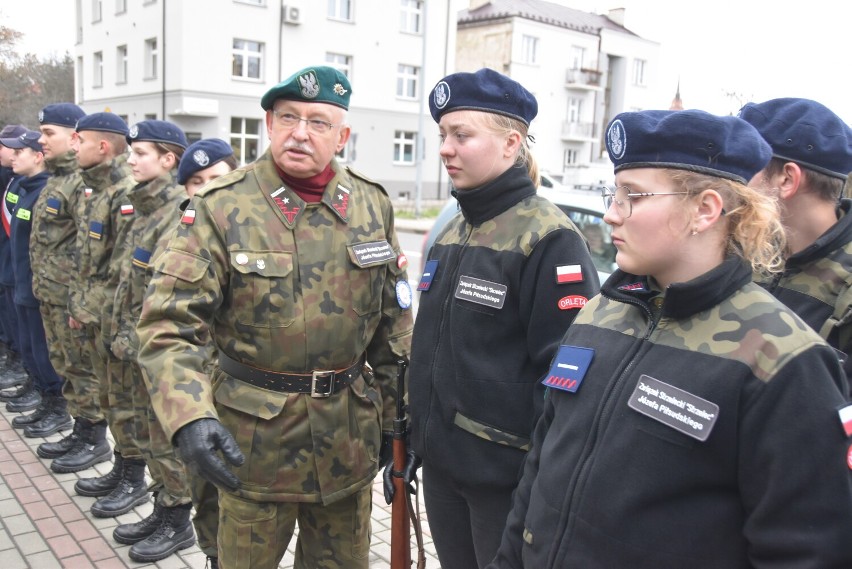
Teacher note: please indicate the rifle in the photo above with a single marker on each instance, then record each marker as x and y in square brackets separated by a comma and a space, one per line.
[402, 511]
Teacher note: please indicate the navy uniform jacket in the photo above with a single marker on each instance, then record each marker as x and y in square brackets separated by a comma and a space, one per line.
[7, 276]
[28, 190]
[704, 434]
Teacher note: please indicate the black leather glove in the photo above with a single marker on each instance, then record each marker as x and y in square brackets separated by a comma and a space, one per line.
[409, 475]
[386, 450]
[198, 442]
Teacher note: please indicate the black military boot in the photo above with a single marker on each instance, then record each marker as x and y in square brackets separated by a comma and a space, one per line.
[130, 492]
[91, 449]
[102, 485]
[174, 533]
[63, 445]
[41, 411]
[128, 534]
[10, 393]
[13, 372]
[28, 399]
[211, 563]
[56, 419]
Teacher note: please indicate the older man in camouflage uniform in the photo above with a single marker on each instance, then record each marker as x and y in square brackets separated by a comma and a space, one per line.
[292, 265]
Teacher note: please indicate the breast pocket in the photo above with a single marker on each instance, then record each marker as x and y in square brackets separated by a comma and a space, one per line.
[262, 288]
[365, 282]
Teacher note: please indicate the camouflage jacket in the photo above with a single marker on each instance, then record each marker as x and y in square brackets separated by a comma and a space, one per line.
[478, 357]
[816, 284]
[156, 207]
[704, 415]
[54, 233]
[285, 286]
[106, 213]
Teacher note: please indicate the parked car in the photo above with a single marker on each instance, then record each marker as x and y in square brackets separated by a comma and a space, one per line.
[583, 207]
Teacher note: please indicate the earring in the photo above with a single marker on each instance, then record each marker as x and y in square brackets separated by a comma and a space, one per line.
[694, 231]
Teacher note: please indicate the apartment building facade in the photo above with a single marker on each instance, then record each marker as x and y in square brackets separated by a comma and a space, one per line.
[204, 65]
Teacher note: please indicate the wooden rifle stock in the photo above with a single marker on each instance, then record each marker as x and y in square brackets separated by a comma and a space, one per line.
[400, 524]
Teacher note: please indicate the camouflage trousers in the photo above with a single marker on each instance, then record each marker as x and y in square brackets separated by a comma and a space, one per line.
[205, 499]
[65, 345]
[166, 469]
[116, 398]
[255, 535]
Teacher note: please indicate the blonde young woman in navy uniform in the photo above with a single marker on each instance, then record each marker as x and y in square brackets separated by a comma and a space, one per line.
[503, 281]
[691, 419]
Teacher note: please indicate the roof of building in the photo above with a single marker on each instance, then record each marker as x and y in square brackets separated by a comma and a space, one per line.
[541, 11]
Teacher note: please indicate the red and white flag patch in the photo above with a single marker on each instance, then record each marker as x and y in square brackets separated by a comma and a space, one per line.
[126, 209]
[846, 419]
[188, 217]
[569, 274]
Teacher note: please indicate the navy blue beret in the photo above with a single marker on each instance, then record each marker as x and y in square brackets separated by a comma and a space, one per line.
[157, 131]
[486, 90]
[727, 147]
[12, 131]
[27, 140]
[105, 122]
[62, 114]
[201, 155]
[805, 132]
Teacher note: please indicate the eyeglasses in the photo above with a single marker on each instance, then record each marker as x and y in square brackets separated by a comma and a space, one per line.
[622, 197]
[316, 126]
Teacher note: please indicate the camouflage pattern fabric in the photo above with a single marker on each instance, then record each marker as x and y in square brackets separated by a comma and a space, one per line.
[156, 206]
[291, 287]
[255, 535]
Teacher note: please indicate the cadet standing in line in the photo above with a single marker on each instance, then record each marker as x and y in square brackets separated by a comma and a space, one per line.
[811, 157]
[477, 358]
[691, 419]
[12, 373]
[155, 150]
[203, 162]
[292, 265]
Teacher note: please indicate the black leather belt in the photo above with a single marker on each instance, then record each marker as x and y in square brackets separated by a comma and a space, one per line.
[317, 383]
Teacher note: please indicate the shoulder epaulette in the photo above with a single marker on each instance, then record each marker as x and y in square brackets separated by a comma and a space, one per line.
[228, 179]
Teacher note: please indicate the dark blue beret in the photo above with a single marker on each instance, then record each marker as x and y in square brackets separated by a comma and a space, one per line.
[106, 122]
[62, 114]
[27, 140]
[201, 155]
[157, 131]
[486, 90]
[320, 84]
[727, 147]
[805, 132]
[12, 131]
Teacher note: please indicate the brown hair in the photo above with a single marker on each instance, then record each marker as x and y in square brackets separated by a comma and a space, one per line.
[754, 226]
[828, 188]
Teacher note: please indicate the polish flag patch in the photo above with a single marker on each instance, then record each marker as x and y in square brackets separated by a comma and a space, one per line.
[569, 274]
[846, 419]
[126, 209]
[188, 217]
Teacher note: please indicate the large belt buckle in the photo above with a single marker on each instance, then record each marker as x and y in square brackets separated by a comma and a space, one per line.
[315, 375]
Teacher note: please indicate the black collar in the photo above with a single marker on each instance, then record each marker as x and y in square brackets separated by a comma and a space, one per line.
[490, 200]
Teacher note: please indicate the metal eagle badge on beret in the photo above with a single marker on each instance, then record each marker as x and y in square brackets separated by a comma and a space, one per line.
[617, 139]
[41, 116]
[201, 158]
[442, 94]
[309, 85]
[134, 131]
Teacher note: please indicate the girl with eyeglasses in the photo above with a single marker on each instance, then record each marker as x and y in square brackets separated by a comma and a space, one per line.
[691, 420]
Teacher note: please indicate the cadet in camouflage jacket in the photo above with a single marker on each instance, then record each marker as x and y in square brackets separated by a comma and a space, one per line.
[281, 287]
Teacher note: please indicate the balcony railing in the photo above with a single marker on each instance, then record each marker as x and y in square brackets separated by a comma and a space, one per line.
[591, 77]
[578, 130]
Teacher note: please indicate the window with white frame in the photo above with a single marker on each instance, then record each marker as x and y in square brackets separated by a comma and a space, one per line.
[410, 16]
[120, 6]
[406, 81]
[97, 9]
[151, 58]
[529, 49]
[340, 10]
[404, 146]
[247, 59]
[638, 71]
[98, 69]
[576, 57]
[121, 64]
[575, 107]
[341, 62]
[569, 157]
[245, 139]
